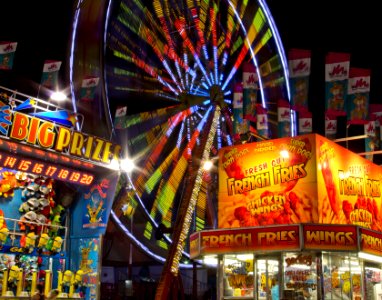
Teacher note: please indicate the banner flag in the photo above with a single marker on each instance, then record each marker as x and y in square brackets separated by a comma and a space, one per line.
[88, 88]
[376, 114]
[330, 126]
[262, 121]
[7, 53]
[283, 118]
[357, 101]
[299, 71]
[305, 122]
[240, 126]
[336, 79]
[250, 88]
[50, 71]
[371, 140]
[120, 117]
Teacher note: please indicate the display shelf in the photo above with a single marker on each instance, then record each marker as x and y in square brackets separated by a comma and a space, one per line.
[15, 234]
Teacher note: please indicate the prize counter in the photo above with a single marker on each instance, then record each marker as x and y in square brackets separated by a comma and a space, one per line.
[57, 185]
[298, 218]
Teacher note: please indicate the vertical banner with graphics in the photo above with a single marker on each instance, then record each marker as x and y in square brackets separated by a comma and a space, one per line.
[330, 126]
[91, 212]
[336, 79]
[240, 126]
[250, 88]
[299, 71]
[88, 88]
[50, 71]
[85, 255]
[7, 53]
[120, 117]
[371, 140]
[305, 122]
[262, 121]
[357, 101]
[283, 118]
[376, 114]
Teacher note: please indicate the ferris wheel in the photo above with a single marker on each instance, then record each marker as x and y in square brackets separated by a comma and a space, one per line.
[169, 69]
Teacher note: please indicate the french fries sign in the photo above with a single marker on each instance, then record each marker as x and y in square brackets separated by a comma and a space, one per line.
[284, 238]
[303, 179]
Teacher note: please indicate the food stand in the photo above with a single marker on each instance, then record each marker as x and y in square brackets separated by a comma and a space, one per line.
[299, 217]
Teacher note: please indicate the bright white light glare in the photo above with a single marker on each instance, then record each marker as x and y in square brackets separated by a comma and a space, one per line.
[244, 256]
[210, 260]
[58, 96]
[346, 269]
[207, 165]
[354, 262]
[229, 261]
[127, 165]
[299, 267]
[114, 164]
[284, 153]
[371, 257]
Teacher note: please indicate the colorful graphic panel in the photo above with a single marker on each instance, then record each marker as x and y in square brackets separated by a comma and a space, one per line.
[270, 182]
[348, 187]
[303, 179]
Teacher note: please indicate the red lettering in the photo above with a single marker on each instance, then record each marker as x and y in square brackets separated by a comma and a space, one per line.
[20, 127]
[33, 130]
[46, 135]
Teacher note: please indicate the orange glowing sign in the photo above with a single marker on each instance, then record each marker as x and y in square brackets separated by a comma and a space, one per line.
[330, 237]
[45, 168]
[271, 238]
[303, 179]
[300, 237]
[371, 241]
[49, 136]
[195, 244]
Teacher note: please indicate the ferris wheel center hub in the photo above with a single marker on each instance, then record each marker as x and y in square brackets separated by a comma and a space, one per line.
[216, 95]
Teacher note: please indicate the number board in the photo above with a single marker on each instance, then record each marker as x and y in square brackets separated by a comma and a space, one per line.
[27, 165]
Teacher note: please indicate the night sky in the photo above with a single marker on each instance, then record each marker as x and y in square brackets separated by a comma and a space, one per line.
[42, 30]
[333, 26]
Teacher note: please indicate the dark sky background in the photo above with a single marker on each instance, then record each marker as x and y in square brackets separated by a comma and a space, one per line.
[333, 26]
[42, 29]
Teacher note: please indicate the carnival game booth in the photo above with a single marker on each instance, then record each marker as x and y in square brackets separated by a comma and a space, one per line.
[56, 189]
[300, 218]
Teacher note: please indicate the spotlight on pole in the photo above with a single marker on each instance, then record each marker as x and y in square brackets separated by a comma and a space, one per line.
[127, 165]
[58, 96]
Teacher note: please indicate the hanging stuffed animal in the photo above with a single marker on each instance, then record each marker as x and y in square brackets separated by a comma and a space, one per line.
[28, 242]
[4, 232]
[27, 221]
[43, 240]
[55, 244]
